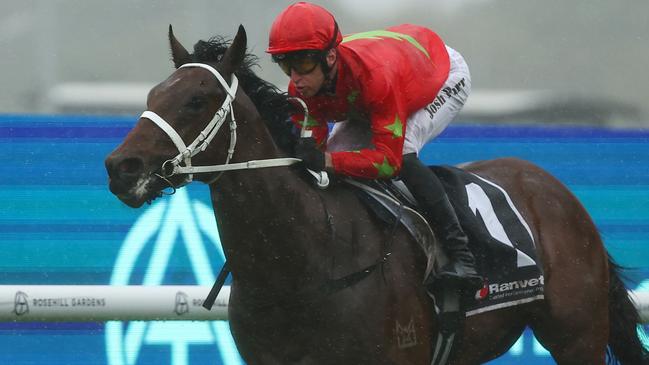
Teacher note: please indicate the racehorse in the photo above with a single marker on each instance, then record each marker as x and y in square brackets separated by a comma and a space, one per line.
[288, 243]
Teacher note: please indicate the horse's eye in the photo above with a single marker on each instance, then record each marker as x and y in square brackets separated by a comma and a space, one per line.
[196, 103]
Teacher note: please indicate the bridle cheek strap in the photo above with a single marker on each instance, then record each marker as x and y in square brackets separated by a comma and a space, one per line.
[173, 135]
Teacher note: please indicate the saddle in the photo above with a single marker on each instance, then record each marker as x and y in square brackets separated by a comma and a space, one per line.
[390, 201]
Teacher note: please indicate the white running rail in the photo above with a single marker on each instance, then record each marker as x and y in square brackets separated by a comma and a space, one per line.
[98, 303]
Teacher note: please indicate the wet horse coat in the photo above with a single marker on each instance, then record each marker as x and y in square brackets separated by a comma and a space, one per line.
[284, 239]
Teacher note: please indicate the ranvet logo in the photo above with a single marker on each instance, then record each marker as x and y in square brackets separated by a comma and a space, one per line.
[150, 243]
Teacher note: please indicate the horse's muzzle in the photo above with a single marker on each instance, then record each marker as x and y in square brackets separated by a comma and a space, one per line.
[125, 174]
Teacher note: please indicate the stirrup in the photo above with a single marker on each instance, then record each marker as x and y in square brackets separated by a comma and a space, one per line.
[469, 281]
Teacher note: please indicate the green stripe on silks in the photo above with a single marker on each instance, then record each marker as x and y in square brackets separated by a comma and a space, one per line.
[380, 34]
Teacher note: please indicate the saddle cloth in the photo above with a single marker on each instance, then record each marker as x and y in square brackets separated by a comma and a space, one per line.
[499, 237]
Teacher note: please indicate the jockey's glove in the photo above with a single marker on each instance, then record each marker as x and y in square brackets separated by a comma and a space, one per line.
[307, 151]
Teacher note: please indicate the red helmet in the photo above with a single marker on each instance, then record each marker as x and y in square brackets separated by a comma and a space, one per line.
[303, 26]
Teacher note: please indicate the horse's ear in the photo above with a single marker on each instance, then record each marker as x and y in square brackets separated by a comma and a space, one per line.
[179, 54]
[233, 57]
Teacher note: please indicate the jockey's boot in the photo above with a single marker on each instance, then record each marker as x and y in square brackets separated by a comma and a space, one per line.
[460, 269]
[436, 208]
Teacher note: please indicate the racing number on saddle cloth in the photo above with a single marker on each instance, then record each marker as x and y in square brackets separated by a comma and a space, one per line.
[483, 208]
[493, 209]
[498, 235]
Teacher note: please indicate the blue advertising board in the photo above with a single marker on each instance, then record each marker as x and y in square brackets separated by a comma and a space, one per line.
[59, 224]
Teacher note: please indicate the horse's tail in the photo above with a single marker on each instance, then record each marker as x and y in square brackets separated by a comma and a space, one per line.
[624, 341]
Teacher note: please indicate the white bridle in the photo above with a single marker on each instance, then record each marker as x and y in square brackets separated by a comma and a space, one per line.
[185, 153]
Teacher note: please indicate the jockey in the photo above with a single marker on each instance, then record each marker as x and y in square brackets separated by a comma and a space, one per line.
[405, 81]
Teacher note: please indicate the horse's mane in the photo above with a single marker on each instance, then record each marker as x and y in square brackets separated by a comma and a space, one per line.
[272, 104]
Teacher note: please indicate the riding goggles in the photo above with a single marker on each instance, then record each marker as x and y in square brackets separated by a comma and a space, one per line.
[302, 62]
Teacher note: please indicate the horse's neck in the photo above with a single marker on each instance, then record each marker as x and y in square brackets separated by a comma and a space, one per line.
[267, 216]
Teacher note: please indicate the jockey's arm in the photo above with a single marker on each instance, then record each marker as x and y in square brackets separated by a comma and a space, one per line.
[381, 162]
[388, 125]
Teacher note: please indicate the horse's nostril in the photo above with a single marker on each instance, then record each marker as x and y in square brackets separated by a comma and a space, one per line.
[130, 167]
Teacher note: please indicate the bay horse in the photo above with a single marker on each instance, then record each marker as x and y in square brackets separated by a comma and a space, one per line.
[287, 242]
